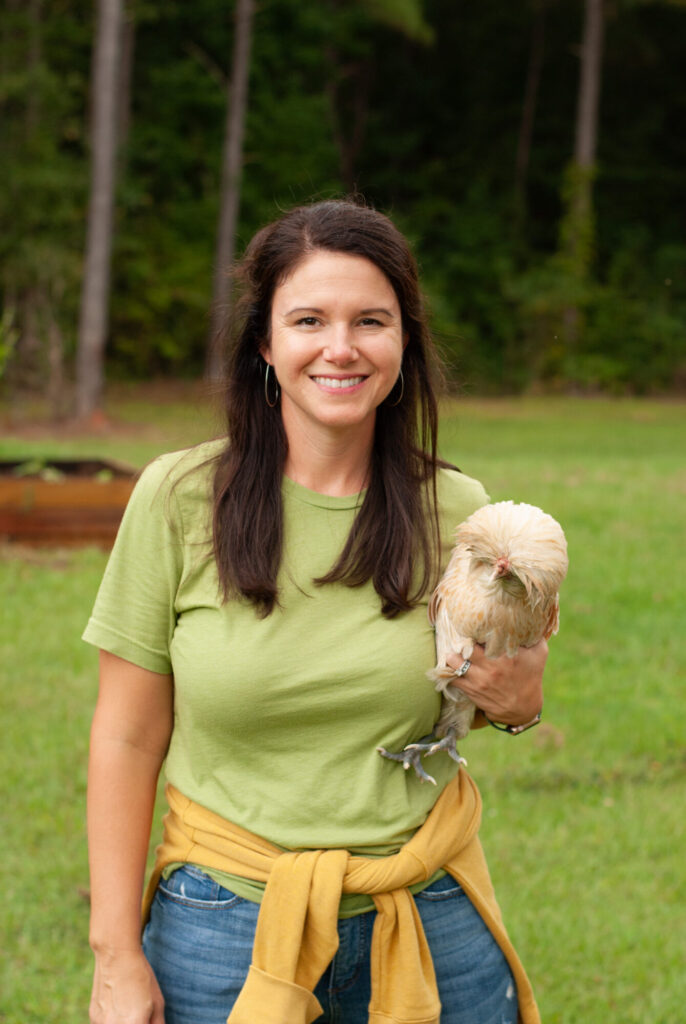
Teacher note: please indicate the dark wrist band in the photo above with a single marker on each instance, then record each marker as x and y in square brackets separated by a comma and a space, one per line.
[514, 730]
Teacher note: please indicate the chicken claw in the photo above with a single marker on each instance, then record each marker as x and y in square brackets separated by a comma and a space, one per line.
[411, 756]
[448, 743]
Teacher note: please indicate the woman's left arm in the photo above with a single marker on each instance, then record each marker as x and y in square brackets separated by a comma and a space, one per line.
[508, 690]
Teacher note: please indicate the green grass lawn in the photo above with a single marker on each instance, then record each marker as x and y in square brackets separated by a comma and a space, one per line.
[584, 823]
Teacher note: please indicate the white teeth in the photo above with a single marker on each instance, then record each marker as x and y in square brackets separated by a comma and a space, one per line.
[336, 382]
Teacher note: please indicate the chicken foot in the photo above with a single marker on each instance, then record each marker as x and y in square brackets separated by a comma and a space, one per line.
[411, 756]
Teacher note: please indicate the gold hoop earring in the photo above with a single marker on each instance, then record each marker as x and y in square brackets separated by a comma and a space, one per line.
[266, 387]
[402, 390]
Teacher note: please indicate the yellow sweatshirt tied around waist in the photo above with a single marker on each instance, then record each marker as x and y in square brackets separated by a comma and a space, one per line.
[297, 926]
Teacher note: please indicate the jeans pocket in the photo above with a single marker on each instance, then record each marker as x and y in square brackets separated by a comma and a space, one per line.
[190, 886]
[445, 888]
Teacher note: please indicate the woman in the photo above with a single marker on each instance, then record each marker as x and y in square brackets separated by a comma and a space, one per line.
[262, 625]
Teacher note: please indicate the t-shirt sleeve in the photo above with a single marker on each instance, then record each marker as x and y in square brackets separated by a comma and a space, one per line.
[135, 610]
[458, 496]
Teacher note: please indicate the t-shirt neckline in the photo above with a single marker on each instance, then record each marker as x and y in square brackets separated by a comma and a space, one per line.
[330, 501]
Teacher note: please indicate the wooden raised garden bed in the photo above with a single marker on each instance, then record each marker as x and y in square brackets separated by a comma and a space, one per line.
[63, 501]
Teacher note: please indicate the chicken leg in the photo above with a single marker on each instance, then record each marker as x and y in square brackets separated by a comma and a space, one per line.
[411, 756]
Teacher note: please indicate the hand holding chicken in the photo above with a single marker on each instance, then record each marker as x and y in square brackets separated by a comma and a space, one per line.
[500, 590]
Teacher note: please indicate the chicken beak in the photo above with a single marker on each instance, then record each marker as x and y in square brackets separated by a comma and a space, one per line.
[502, 568]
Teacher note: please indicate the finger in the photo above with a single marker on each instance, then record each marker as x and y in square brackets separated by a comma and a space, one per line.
[158, 1015]
[505, 688]
[455, 660]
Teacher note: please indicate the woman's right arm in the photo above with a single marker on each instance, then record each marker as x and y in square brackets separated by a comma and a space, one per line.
[129, 739]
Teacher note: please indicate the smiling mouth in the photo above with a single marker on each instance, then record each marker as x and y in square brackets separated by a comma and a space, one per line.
[339, 382]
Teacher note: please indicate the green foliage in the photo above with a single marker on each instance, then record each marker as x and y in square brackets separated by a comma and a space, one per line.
[416, 104]
[43, 96]
[405, 15]
[8, 338]
[468, 260]
[630, 344]
[577, 225]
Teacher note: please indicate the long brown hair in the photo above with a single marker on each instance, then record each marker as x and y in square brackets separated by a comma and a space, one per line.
[394, 537]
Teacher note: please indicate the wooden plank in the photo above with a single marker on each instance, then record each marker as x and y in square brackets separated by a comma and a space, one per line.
[75, 510]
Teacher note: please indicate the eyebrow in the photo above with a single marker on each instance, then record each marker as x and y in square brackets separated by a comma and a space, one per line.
[316, 309]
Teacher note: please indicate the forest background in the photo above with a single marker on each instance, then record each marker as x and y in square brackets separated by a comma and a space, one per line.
[543, 270]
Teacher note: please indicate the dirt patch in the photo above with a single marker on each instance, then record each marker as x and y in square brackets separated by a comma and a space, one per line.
[41, 558]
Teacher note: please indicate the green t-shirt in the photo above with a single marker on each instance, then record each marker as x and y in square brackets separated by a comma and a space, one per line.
[277, 720]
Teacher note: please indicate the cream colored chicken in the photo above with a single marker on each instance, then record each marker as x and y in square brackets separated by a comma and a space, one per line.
[500, 589]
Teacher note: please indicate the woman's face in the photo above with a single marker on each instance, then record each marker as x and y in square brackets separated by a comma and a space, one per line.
[336, 342]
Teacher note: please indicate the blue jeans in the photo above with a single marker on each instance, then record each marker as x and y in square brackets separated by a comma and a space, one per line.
[199, 941]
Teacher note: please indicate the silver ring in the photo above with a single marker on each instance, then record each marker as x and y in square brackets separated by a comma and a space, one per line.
[464, 668]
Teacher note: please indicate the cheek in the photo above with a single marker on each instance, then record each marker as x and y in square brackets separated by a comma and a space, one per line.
[395, 359]
[275, 350]
[288, 355]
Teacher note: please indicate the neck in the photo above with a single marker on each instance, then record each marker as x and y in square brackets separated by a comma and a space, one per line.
[334, 463]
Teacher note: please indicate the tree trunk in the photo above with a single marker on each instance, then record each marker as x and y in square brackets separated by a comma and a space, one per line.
[580, 176]
[232, 164]
[126, 63]
[56, 376]
[93, 319]
[577, 231]
[526, 127]
[27, 362]
[589, 85]
[348, 131]
[35, 55]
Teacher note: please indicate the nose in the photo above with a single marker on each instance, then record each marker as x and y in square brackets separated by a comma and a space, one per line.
[340, 346]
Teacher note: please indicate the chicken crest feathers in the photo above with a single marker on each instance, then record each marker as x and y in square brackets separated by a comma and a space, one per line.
[532, 542]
